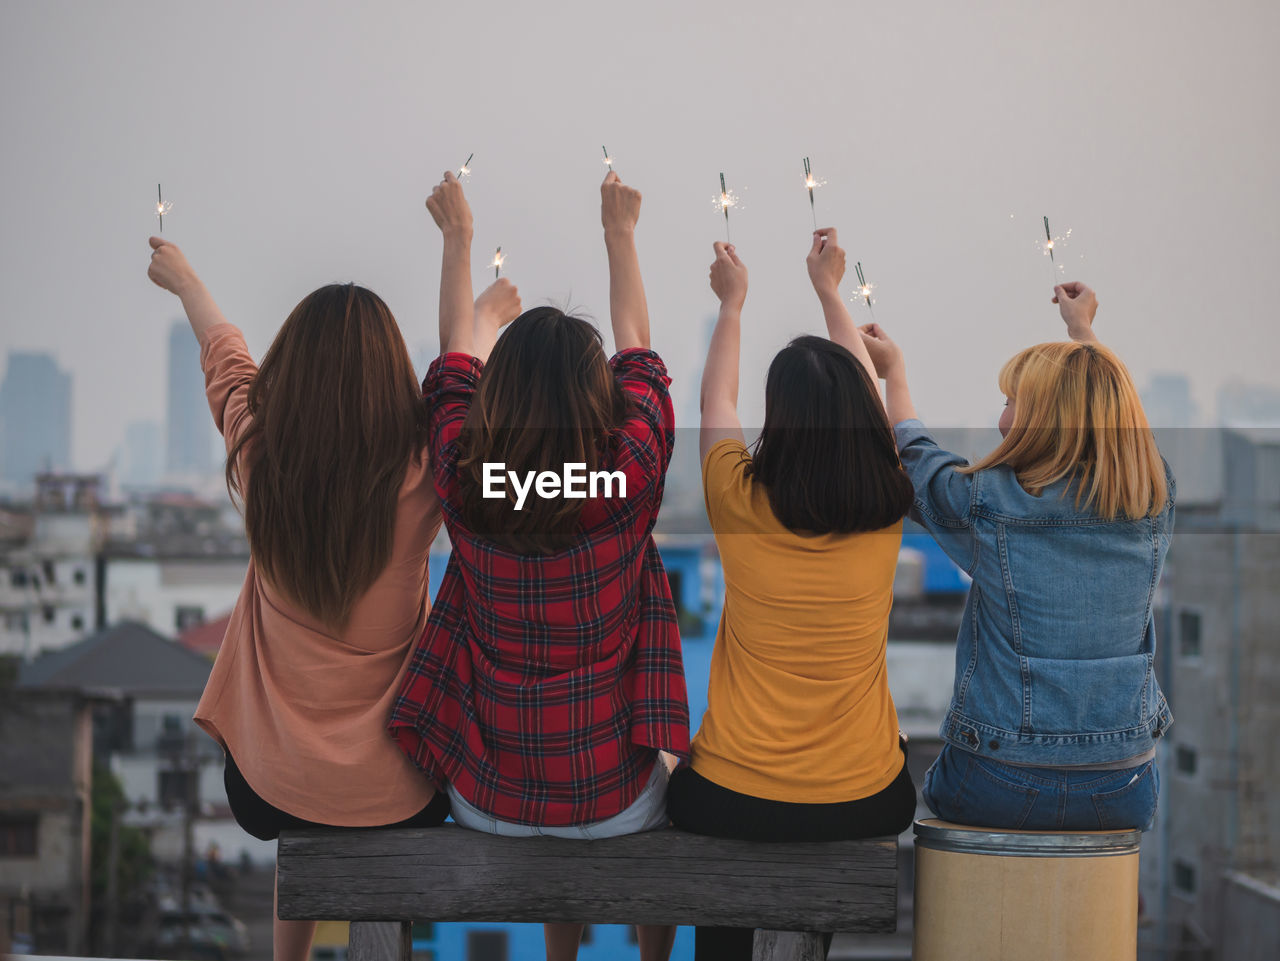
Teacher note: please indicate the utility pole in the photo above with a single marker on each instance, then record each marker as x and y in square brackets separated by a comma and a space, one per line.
[112, 920]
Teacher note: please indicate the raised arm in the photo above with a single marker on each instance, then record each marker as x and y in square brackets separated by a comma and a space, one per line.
[452, 214]
[886, 356]
[497, 306]
[169, 269]
[1078, 305]
[719, 397]
[826, 270]
[628, 310]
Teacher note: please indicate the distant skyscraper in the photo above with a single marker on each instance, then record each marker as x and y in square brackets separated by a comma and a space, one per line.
[142, 455]
[1167, 401]
[1248, 405]
[188, 446]
[35, 417]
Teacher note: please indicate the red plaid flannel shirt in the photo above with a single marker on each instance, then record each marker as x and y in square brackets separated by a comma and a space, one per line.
[544, 683]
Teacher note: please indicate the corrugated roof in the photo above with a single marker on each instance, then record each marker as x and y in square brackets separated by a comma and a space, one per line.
[129, 657]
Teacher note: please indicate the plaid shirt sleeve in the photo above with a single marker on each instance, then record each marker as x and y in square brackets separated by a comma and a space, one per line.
[449, 387]
[651, 420]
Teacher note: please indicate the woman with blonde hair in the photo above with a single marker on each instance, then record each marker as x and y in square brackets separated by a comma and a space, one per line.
[1064, 529]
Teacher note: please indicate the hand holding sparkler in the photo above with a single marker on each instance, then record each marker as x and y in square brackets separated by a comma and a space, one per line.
[728, 277]
[497, 306]
[465, 170]
[498, 260]
[1078, 305]
[628, 307]
[826, 263]
[451, 212]
[169, 269]
[608, 161]
[619, 205]
[884, 353]
[449, 208]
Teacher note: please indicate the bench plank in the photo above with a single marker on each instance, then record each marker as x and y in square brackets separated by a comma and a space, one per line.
[660, 877]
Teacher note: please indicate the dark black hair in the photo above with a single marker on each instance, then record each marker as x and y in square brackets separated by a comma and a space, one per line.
[826, 453]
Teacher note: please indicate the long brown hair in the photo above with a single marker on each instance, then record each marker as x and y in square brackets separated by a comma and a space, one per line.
[547, 398]
[1077, 415]
[336, 417]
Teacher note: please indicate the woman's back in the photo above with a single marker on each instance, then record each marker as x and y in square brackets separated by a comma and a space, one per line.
[1061, 601]
[798, 705]
[302, 706]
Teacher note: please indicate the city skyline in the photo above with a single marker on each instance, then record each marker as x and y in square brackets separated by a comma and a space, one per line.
[943, 135]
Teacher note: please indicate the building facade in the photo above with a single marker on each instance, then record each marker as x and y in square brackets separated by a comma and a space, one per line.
[35, 418]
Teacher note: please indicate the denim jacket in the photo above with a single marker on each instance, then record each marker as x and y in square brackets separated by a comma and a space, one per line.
[1054, 661]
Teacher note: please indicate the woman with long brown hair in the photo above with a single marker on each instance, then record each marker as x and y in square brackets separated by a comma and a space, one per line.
[326, 449]
[549, 676]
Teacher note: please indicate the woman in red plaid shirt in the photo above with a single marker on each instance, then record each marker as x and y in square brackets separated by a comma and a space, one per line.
[549, 676]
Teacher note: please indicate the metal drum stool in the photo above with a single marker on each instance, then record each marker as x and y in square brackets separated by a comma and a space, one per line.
[988, 894]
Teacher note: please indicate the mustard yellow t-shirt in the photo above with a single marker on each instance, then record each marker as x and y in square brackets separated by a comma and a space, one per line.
[798, 704]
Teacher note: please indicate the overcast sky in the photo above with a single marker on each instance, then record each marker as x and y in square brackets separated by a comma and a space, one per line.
[297, 142]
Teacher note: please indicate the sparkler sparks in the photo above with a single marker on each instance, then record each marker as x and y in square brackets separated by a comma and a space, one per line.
[465, 170]
[726, 199]
[810, 182]
[162, 207]
[608, 161]
[498, 260]
[864, 289]
[1049, 245]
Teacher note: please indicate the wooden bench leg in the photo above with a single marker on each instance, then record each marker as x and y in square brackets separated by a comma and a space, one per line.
[788, 946]
[380, 941]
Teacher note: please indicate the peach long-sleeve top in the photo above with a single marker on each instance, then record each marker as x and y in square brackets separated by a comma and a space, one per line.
[304, 711]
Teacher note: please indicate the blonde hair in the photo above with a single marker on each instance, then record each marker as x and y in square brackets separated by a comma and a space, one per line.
[1077, 416]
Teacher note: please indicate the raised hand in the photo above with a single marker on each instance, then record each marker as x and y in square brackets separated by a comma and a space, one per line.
[449, 208]
[826, 262]
[169, 268]
[728, 276]
[498, 305]
[885, 354]
[1078, 305]
[619, 204]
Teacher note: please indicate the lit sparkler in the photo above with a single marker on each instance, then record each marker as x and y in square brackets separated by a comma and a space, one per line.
[810, 183]
[723, 202]
[497, 262]
[1049, 245]
[864, 289]
[162, 207]
[465, 170]
[608, 161]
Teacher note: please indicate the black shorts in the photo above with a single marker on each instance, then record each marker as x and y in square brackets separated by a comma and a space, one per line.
[701, 806]
[265, 821]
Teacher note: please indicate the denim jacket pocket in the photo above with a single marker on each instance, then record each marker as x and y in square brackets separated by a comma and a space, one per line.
[1100, 695]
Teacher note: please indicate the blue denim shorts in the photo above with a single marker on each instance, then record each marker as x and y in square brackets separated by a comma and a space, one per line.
[645, 813]
[968, 789]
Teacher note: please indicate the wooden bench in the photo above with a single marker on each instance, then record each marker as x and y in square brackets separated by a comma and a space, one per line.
[383, 880]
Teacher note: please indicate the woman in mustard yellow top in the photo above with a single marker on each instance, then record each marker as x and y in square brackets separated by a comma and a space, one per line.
[800, 739]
